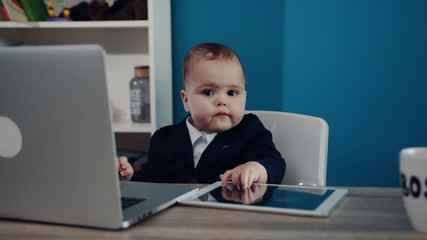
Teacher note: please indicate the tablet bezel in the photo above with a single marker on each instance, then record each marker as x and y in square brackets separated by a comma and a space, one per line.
[324, 209]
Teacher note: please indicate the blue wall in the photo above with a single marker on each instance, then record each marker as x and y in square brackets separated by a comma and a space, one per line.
[360, 64]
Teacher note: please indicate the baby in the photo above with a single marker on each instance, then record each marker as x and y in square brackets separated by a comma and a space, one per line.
[217, 141]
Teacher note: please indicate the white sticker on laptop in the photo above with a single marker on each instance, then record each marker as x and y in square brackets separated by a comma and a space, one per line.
[10, 138]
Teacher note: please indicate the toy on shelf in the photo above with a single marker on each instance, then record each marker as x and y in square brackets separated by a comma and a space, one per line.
[65, 14]
[104, 10]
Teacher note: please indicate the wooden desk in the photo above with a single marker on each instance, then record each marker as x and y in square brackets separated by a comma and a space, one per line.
[366, 213]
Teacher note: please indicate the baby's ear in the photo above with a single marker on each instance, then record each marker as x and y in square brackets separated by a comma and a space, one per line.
[184, 99]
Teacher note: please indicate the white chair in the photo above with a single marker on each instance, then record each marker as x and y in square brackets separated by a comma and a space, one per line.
[303, 142]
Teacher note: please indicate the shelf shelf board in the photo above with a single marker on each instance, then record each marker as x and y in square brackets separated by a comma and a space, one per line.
[123, 125]
[77, 24]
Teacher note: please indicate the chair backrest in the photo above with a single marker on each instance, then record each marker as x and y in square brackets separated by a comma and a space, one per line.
[303, 142]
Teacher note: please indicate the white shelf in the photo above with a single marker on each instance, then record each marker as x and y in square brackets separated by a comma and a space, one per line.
[127, 126]
[127, 44]
[77, 24]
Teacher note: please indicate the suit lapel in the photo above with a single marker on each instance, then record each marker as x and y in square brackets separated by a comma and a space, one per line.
[214, 152]
[182, 139]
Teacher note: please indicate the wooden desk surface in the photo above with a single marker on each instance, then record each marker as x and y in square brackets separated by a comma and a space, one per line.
[366, 213]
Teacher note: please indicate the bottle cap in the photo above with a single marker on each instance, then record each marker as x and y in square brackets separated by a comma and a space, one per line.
[142, 71]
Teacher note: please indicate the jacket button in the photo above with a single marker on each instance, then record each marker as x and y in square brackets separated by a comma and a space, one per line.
[194, 181]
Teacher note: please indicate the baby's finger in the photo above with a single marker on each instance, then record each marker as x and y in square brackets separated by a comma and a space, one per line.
[235, 178]
[126, 170]
[225, 177]
[122, 162]
[244, 179]
[250, 181]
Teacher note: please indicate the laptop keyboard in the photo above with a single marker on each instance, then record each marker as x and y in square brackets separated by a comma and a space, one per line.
[128, 202]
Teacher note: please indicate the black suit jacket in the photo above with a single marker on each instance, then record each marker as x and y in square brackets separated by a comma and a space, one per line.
[170, 154]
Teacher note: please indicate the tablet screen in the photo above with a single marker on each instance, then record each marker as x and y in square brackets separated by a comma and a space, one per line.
[270, 196]
[287, 199]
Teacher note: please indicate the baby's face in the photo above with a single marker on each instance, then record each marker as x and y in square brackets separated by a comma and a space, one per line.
[215, 94]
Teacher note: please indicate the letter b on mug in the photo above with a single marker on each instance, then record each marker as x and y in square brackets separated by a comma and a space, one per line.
[413, 176]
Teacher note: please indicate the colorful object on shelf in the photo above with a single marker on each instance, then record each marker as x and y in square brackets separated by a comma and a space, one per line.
[65, 12]
[50, 9]
[35, 10]
[13, 10]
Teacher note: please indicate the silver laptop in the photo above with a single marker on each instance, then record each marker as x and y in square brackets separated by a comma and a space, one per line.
[57, 151]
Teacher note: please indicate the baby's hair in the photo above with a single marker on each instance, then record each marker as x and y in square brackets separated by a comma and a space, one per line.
[208, 51]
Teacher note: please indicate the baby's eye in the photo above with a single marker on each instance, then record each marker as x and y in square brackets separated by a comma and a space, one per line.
[207, 92]
[232, 93]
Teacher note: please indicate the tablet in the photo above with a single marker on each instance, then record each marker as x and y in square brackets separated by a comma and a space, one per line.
[285, 199]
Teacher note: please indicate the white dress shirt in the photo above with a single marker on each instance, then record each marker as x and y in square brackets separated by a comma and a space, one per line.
[199, 139]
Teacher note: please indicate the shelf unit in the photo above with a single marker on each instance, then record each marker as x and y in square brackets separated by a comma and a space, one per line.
[127, 44]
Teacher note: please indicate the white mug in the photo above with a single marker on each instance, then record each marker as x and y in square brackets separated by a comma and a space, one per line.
[413, 175]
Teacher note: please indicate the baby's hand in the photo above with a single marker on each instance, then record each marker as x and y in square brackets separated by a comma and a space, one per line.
[245, 175]
[125, 169]
[248, 195]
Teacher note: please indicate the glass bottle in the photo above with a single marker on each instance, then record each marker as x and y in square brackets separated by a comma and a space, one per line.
[140, 95]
